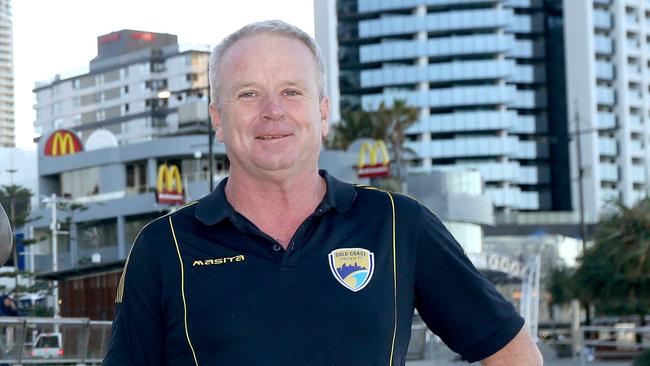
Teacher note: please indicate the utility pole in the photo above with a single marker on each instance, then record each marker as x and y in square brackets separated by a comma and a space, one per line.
[581, 203]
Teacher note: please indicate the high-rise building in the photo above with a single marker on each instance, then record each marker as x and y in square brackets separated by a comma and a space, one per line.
[125, 90]
[608, 58]
[483, 74]
[7, 122]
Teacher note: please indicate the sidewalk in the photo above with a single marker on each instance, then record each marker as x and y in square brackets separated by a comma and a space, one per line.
[444, 357]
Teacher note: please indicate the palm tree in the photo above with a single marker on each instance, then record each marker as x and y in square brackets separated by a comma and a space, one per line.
[390, 124]
[615, 272]
[354, 124]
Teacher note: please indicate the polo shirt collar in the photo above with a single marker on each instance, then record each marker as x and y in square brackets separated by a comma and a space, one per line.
[214, 207]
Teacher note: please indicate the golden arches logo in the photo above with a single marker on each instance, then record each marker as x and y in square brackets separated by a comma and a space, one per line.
[375, 167]
[62, 142]
[169, 186]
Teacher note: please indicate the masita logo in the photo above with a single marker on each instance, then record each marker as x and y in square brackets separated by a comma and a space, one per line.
[352, 267]
[217, 261]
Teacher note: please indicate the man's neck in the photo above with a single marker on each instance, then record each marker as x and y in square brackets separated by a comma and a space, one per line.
[277, 207]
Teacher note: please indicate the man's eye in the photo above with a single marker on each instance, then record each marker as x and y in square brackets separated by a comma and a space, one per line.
[247, 94]
[291, 93]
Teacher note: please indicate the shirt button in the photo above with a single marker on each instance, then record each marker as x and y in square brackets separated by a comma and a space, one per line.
[276, 247]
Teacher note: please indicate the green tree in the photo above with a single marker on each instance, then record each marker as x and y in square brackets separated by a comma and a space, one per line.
[560, 285]
[16, 201]
[614, 273]
[391, 124]
[354, 124]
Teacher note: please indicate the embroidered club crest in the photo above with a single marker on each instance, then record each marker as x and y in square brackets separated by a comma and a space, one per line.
[352, 267]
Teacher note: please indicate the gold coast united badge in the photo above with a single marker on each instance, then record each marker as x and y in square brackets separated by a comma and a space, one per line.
[352, 267]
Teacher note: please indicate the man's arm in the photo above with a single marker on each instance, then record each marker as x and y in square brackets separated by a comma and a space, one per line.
[458, 303]
[519, 351]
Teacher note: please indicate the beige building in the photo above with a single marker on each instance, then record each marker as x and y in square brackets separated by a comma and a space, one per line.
[7, 124]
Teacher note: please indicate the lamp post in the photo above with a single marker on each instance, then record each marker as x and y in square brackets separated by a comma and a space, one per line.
[166, 94]
[52, 201]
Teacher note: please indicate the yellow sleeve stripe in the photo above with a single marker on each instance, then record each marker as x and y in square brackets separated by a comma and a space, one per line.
[120, 286]
[180, 260]
[392, 346]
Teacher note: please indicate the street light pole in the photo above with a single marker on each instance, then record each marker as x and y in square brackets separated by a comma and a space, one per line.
[581, 199]
[165, 94]
[581, 203]
[55, 252]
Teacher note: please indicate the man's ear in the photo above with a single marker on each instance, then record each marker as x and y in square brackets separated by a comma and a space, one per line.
[215, 116]
[324, 107]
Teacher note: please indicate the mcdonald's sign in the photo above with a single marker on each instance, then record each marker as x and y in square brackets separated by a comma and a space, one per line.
[62, 142]
[169, 187]
[375, 167]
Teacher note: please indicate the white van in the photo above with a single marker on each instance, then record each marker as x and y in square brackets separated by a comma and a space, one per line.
[48, 345]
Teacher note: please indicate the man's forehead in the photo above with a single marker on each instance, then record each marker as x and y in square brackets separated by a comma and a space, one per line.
[240, 64]
[259, 44]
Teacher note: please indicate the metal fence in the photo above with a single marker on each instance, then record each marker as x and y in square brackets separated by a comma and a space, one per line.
[78, 341]
[622, 340]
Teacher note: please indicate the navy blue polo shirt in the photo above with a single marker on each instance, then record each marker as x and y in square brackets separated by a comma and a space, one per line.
[204, 286]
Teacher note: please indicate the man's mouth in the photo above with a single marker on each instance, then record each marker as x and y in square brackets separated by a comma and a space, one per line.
[270, 137]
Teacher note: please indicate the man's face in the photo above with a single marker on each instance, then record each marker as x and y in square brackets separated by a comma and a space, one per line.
[269, 115]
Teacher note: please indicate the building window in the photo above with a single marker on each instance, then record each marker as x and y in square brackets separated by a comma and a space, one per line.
[136, 178]
[80, 183]
[98, 234]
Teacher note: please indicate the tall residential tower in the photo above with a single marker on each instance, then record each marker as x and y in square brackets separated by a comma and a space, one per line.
[483, 74]
[608, 96]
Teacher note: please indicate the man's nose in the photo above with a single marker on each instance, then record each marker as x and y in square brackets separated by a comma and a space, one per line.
[272, 108]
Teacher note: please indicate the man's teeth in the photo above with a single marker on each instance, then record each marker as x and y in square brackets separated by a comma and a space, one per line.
[269, 137]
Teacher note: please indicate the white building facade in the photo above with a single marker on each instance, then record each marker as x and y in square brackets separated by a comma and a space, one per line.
[121, 91]
[608, 96]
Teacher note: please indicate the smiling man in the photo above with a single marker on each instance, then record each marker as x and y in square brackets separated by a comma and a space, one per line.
[285, 265]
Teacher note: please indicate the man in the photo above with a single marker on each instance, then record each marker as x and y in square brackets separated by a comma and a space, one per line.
[285, 265]
[7, 306]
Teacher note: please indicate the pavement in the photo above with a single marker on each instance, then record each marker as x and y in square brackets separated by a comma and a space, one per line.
[439, 355]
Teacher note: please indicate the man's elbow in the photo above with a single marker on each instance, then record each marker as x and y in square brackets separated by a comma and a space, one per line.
[521, 350]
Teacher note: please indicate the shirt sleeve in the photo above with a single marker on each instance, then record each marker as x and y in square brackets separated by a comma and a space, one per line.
[455, 300]
[136, 338]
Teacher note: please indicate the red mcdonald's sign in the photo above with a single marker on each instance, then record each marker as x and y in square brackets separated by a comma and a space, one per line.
[62, 142]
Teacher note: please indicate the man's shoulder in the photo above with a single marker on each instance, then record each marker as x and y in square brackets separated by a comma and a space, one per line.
[161, 224]
[369, 195]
